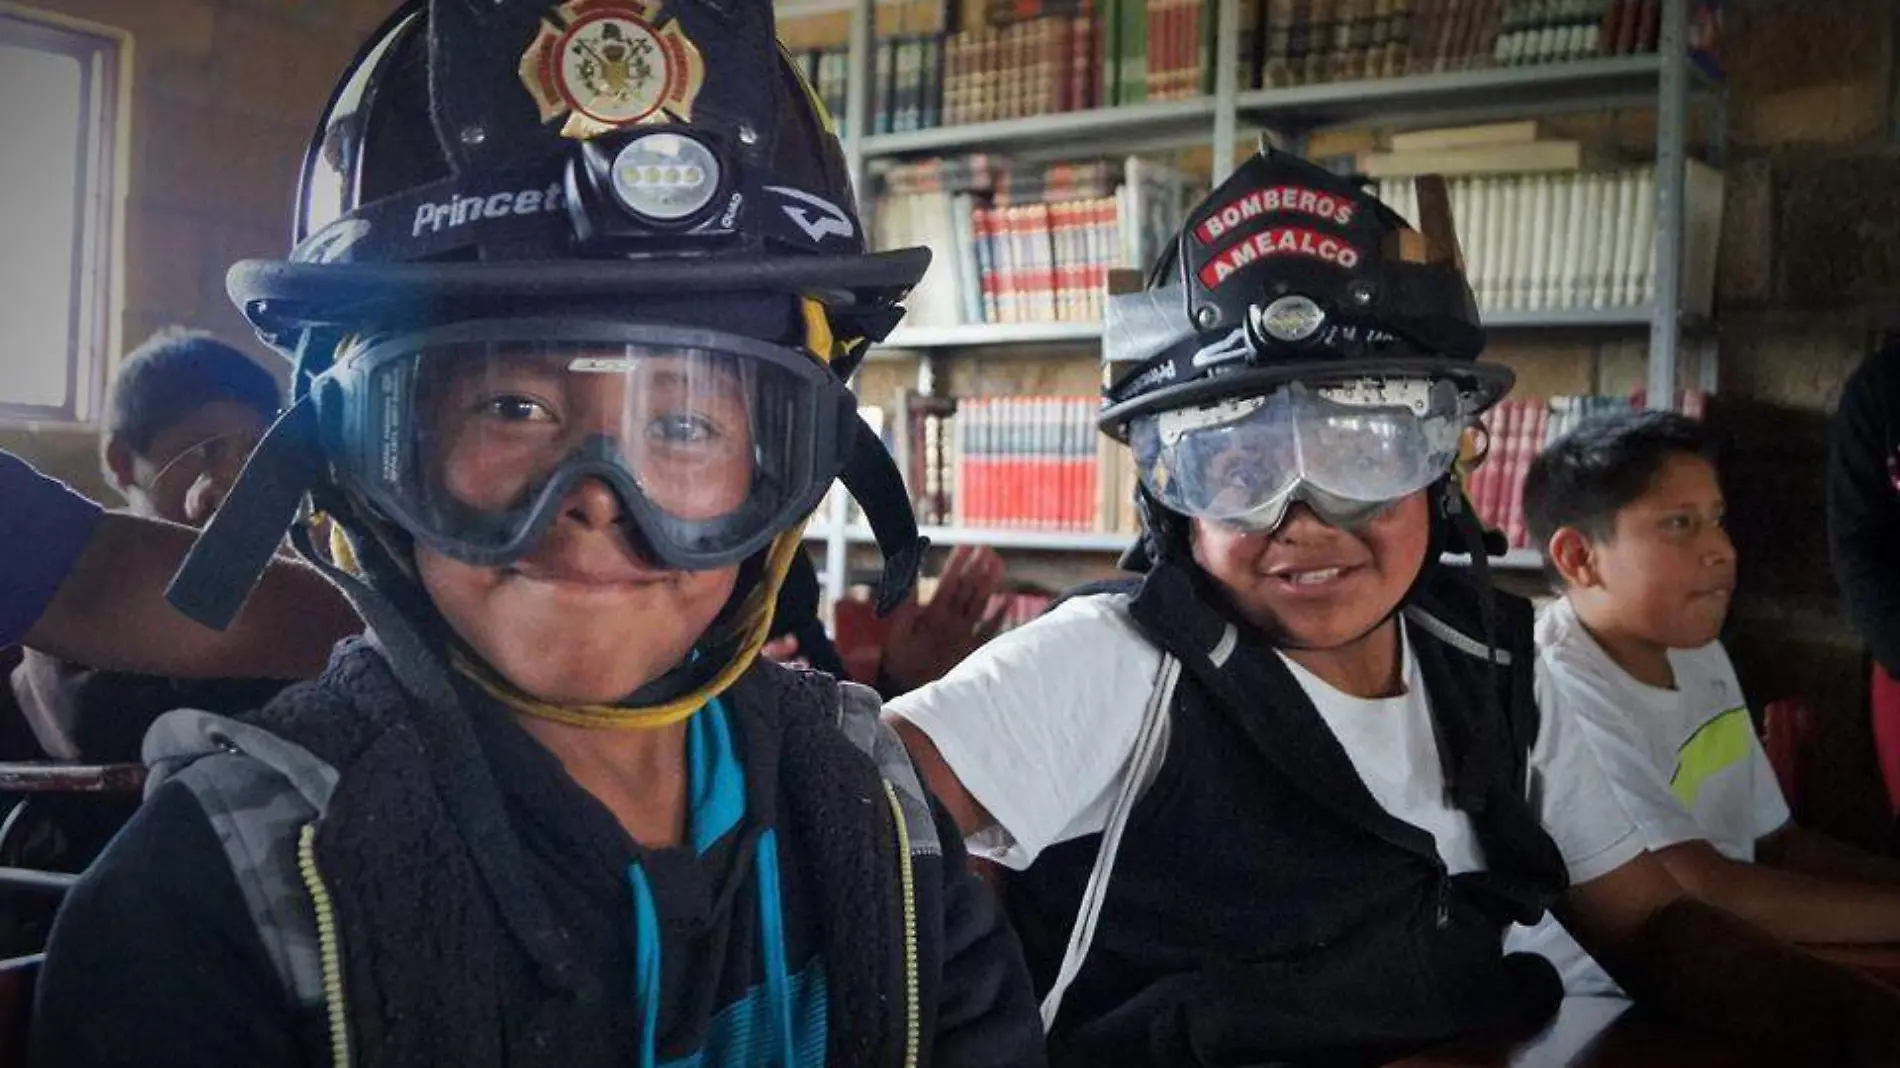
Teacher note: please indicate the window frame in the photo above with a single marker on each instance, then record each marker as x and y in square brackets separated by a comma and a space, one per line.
[102, 55]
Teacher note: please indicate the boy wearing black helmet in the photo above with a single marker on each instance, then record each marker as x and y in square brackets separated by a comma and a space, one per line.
[1279, 801]
[577, 290]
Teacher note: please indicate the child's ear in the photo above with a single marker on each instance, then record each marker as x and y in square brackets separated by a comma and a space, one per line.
[118, 463]
[1574, 557]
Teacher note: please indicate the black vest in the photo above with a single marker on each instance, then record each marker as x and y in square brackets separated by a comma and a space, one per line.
[1264, 908]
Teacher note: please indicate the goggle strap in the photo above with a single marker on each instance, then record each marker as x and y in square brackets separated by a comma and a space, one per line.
[872, 477]
[230, 556]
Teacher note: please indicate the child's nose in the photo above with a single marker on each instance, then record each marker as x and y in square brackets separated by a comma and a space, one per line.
[592, 504]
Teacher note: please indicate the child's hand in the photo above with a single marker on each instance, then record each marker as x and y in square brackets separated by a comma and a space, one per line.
[926, 641]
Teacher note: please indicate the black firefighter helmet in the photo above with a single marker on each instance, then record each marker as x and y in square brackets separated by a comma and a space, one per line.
[637, 177]
[1291, 305]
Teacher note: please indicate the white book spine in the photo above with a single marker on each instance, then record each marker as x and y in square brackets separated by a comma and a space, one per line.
[1524, 240]
[1540, 244]
[1642, 266]
[1491, 210]
[1461, 225]
[1506, 244]
[1554, 225]
[1624, 257]
[1608, 226]
[1569, 251]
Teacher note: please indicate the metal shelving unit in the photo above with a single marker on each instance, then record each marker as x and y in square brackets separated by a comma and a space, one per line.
[1059, 541]
[1186, 121]
[1665, 80]
[981, 335]
[993, 335]
[1515, 560]
[1086, 542]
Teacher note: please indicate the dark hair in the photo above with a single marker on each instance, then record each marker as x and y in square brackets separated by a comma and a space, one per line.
[1583, 479]
[174, 373]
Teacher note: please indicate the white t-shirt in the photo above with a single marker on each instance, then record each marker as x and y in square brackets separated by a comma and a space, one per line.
[1685, 763]
[1040, 724]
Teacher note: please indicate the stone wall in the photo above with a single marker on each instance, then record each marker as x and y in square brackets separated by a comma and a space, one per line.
[1810, 270]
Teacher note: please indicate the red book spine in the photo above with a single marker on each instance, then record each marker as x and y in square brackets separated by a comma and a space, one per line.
[1082, 462]
[1491, 508]
[976, 460]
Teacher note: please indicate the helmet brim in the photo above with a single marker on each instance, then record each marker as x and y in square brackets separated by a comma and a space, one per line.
[1487, 383]
[278, 294]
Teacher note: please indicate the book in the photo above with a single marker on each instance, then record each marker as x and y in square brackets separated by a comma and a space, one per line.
[1476, 159]
[1494, 133]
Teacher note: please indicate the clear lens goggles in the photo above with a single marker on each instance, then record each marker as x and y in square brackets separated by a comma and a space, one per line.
[471, 436]
[1348, 450]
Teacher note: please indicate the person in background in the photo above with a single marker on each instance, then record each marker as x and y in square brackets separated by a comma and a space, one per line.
[89, 585]
[923, 641]
[1281, 802]
[1629, 514]
[183, 413]
[1863, 531]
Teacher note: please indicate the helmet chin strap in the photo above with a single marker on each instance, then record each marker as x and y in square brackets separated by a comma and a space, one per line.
[751, 623]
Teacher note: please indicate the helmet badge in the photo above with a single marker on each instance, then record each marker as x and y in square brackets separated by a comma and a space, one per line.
[610, 64]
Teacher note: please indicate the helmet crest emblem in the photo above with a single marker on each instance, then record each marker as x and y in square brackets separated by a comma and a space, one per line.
[610, 64]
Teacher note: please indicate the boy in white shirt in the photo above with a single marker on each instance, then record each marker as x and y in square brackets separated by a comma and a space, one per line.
[1629, 512]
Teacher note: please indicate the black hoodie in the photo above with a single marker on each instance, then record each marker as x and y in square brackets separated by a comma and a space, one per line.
[1863, 501]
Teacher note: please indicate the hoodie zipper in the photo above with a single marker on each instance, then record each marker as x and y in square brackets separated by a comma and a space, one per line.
[912, 1024]
[328, 945]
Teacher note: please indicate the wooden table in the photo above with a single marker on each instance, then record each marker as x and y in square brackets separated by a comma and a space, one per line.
[1593, 1032]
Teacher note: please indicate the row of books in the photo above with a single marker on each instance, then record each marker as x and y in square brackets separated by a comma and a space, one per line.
[1518, 430]
[1039, 463]
[1042, 58]
[1535, 242]
[1025, 244]
[1346, 40]
[1007, 463]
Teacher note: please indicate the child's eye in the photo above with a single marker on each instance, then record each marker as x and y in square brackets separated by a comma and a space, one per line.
[517, 409]
[1678, 523]
[682, 429]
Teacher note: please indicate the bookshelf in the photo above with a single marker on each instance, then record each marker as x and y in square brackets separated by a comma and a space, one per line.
[1113, 544]
[1180, 122]
[1668, 80]
[988, 335]
[1039, 540]
[906, 341]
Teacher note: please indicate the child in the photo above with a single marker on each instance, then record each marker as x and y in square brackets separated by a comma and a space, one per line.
[1281, 803]
[1629, 513]
[576, 296]
[183, 414]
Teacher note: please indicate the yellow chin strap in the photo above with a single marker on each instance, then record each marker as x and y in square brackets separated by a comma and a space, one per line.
[753, 620]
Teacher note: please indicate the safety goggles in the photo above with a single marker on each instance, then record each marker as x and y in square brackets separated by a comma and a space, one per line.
[1348, 450]
[471, 436]
[220, 456]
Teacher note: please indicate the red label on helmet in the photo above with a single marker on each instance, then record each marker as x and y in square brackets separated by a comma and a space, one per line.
[1279, 241]
[1328, 206]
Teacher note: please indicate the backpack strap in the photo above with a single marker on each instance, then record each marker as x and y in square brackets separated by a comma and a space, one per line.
[258, 793]
[859, 709]
[1142, 763]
